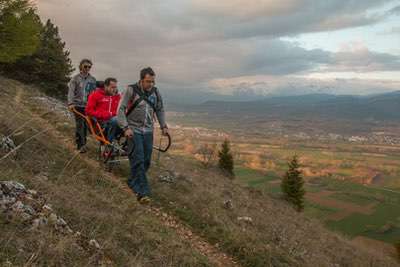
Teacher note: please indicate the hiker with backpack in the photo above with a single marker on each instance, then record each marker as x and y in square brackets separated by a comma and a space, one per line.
[79, 88]
[102, 106]
[139, 104]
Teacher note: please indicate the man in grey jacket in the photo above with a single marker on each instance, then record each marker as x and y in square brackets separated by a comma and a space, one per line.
[140, 103]
[79, 88]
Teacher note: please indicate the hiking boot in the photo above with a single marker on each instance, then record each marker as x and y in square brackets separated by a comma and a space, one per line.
[144, 200]
[82, 149]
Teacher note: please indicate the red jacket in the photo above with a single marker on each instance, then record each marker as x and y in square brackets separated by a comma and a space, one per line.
[102, 106]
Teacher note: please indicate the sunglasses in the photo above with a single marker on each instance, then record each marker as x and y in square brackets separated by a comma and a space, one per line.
[87, 67]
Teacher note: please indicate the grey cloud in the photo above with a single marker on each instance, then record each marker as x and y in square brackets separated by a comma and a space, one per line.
[395, 10]
[392, 30]
[289, 85]
[365, 61]
[304, 16]
[280, 57]
[188, 46]
[177, 21]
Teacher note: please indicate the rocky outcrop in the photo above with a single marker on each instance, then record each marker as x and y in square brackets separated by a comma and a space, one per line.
[29, 207]
[7, 145]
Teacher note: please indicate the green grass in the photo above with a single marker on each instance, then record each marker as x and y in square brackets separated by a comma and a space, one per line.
[371, 225]
[393, 182]
[258, 179]
[387, 209]
[272, 189]
[355, 197]
[254, 177]
[317, 211]
[314, 187]
[246, 174]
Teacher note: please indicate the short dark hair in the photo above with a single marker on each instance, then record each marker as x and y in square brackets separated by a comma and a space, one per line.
[109, 80]
[146, 71]
[85, 61]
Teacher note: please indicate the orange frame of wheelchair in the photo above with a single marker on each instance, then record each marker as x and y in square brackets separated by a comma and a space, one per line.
[94, 127]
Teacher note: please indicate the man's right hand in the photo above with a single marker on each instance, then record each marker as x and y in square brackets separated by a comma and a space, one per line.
[128, 133]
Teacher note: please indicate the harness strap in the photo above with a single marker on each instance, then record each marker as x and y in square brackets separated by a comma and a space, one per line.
[142, 97]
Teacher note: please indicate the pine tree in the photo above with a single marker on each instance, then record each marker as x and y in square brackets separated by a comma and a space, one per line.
[52, 62]
[225, 162]
[49, 67]
[19, 30]
[292, 185]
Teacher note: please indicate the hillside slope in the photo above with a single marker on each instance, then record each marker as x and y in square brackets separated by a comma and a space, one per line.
[189, 223]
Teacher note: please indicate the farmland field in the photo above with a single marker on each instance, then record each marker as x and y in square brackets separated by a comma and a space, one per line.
[347, 207]
[352, 188]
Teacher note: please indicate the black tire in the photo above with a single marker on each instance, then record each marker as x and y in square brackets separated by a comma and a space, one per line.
[109, 161]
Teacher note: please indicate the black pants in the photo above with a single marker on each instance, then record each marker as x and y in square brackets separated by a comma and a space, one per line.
[81, 128]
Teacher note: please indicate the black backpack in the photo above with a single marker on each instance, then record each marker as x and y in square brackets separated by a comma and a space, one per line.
[142, 96]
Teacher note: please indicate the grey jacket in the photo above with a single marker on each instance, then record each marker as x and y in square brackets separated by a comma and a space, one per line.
[79, 88]
[141, 119]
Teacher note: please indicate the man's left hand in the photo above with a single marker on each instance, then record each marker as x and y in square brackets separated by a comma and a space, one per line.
[165, 131]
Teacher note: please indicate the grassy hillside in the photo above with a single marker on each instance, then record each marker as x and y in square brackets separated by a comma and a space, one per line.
[85, 196]
[189, 223]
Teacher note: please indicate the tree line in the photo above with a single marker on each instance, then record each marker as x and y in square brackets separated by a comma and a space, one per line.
[32, 51]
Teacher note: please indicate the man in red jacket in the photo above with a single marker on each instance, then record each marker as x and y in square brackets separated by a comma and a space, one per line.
[103, 104]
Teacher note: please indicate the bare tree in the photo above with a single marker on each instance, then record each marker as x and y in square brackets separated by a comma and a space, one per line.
[207, 153]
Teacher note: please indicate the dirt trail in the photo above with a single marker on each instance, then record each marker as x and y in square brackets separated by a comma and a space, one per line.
[214, 254]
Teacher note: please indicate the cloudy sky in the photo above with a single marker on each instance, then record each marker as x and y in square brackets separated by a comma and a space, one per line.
[238, 47]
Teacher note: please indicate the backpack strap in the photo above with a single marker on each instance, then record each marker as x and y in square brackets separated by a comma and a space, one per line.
[142, 96]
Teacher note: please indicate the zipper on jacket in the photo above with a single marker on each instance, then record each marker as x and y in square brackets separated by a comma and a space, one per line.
[145, 115]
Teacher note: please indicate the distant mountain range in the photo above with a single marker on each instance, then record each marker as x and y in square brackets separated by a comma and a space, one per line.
[384, 106]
